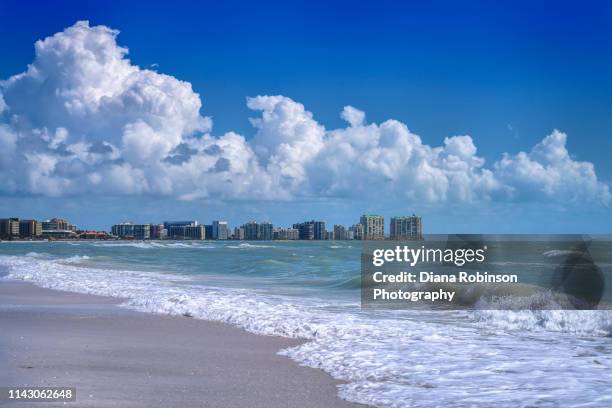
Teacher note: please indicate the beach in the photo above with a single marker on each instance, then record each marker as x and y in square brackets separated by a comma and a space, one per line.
[117, 357]
[271, 324]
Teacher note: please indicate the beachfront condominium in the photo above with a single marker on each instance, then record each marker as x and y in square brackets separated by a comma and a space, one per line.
[30, 229]
[406, 228]
[179, 232]
[373, 227]
[168, 224]
[58, 228]
[355, 231]
[339, 232]
[9, 227]
[158, 231]
[220, 230]
[311, 230]
[184, 230]
[16, 228]
[286, 234]
[58, 224]
[254, 231]
[128, 230]
[251, 232]
[208, 231]
[238, 233]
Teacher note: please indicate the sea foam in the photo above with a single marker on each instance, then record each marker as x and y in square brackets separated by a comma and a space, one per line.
[386, 359]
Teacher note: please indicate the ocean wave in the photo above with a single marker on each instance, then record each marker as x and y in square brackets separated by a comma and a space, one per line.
[561, 252]
[154, 244]
[583, 323]
[76, 259]
[246, 245]
[395, 359]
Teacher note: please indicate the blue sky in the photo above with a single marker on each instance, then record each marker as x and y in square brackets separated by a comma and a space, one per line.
[506, 74]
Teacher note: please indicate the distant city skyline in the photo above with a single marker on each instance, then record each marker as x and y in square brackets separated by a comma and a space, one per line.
[481, 119]
[369, 227]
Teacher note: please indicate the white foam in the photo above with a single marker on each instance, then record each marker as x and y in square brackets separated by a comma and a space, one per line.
[394, 359]
[560, 252]
[246, 245]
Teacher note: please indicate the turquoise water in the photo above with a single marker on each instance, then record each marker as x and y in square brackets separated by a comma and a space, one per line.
[404, 358]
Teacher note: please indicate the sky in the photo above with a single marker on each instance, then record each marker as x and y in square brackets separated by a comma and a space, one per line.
[480, 117]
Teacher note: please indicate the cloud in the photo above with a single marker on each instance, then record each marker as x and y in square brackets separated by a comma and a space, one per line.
[548, 171]
[82, 119]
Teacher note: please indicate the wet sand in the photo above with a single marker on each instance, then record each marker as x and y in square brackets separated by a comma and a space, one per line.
[120, 358]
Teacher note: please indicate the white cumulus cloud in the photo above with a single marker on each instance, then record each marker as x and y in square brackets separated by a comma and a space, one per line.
[82, 119]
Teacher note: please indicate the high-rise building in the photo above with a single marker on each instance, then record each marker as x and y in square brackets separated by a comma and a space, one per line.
[9, 227]
[58, 224]
[311, 230]
[339, 232]
[197, 232]
[265, 231]
[177, 230]
[349, 235]
[250, 231]
[319, 230]
[220, 230]
[30, 228]
[238, 233]
[168, 224]
[306, 230]
[58, 228]
[356, 231]
[191, 231]
[254, 231]
[406, 228]
[208, 231]
[329, 235]
[158, 231]
[373, 226]
[130, 230]
[286, 234]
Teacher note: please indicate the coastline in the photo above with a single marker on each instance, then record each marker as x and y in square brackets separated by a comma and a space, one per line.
[117, 357]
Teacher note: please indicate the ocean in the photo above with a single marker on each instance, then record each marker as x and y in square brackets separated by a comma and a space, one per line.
[311, 290]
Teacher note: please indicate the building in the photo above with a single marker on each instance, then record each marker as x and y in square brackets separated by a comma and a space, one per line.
[265, 231]
[180, 232]
[349, 235]
[286, 234]
[238, 233]
[339, 232]
[356, 231]
[373, 227]
[9, 227]
[158, 231]
[58, 224]
[305, 230]
[311, 230]
[208, 231]
[329, 235]
[196, 232]
[168, 224]
[254, 231]
[220, 230]
[406, 228]
[58, 228]
[187, 232]
[128, 230]
[30, 229]
[250, 230]
[94, 235]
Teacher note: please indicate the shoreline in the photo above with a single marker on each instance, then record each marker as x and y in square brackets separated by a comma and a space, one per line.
[116, 357]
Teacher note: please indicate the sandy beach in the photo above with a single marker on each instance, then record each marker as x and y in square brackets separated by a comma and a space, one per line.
[120, 358]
